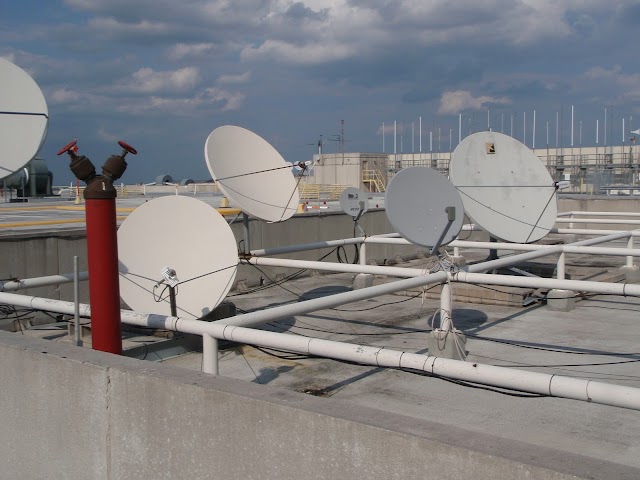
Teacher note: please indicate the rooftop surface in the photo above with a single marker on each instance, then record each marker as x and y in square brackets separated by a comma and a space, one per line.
[598, 340]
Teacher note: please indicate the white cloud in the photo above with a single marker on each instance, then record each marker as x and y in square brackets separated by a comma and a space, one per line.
[147, 80]
[235, 79]
[187, 50]
[310, 54]
[625, 85]
[209, 98]
[456, 101]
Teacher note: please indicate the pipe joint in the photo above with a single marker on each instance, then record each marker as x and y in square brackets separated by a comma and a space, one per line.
[82, 168]
[100, 188]
[114, 167]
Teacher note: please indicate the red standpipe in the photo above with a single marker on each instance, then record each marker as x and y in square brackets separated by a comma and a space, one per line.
[104, 287]
[102, 244]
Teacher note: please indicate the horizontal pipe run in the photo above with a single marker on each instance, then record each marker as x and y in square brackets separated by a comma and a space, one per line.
[585, 250]
[501, 377]
[599, 214]
[13, 285]
[589, 231]
[385, 238]
[603, 221]
[263, 252]
[404, 272]
[624, 289]
[336, 267]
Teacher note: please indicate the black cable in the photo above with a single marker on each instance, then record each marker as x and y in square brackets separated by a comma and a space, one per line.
[158, 297]
[474, 385]
[385, 304]
[283, 357]
[283, 280]
[209, 273]
[514, 344]
[251, 173]
[279, 284]
[352, 334]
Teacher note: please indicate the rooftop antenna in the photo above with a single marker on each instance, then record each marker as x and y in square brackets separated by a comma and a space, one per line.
[424, 207]
[251, 172]
[355, 202]
[188, 244]
[505, 188]
[24, 118]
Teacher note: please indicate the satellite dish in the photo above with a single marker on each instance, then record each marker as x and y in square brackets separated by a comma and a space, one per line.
[23, 118]
[252, 173]
[182, 235]
[505, 188]
[354, 202]
[424, 207]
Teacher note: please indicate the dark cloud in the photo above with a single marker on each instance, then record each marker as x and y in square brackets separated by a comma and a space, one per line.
[160, 69]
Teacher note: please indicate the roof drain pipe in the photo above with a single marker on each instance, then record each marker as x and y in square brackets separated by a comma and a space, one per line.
[501, 377]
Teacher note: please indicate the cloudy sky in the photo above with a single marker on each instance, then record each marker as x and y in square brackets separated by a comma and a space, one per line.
[162, 74]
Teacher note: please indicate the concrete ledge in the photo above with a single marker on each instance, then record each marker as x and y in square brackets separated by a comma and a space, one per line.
[67, 411]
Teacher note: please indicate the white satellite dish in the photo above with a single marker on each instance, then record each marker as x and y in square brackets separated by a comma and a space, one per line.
[252, 173]
[23, 118]
[354, 202]
[505, 188]
[424, 207]
[183, 236]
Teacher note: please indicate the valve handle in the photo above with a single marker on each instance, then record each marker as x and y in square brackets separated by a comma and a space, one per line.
[127, 147]
[69, 147]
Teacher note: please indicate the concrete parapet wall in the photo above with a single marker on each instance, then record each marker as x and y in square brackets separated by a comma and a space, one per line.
[28, 256]
[72, 413]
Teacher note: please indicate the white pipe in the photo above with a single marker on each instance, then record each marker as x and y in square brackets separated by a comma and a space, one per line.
[502, 377]
[598, 221]
[625, 289]
[590, 231]
[446, 306]
[600, 214]
[629, 262]
[560, 275]
[76, 301]
[306, 246]
[362, 254]
[210, 354]
[335, 267]
[35, 282]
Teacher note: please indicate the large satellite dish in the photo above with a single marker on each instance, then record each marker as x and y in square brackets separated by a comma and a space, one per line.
[424, 207]
[505, 188]
[183, 235]
[252, 173]
[23, 118]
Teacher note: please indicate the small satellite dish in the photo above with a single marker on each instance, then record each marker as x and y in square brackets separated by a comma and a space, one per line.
[505, 188]
[23, 118]
[170, 238]
[354, 202]
[252, 173]
[424, 207]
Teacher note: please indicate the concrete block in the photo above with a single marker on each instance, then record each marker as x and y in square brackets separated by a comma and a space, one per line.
[441, 343]
[631, 273]
[561, 300]
[362, 280]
